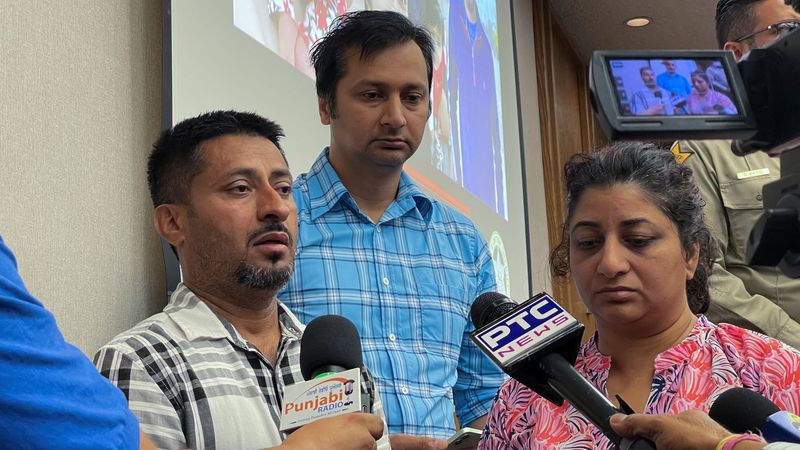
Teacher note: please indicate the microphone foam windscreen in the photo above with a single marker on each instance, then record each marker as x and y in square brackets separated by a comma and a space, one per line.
[741, 410]
[329, 341]
[489, 306]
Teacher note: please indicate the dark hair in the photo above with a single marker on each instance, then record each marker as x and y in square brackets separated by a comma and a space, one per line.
[643, 68]
[369, 31]
[177, 158]
[668, 184]
[734, 18]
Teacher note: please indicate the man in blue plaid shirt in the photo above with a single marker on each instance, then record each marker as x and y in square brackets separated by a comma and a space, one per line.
[374, 248]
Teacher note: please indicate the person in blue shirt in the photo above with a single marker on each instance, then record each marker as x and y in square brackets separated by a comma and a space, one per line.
[374, 248]
[673, 82]
[51, 396]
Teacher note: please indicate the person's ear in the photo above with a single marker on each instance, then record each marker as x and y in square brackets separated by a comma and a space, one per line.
[169, 220]
[692, 259]
[324, 111]
[738, 49]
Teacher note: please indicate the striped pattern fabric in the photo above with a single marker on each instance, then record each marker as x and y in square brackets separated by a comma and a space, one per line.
[408, 283]
[194, 382]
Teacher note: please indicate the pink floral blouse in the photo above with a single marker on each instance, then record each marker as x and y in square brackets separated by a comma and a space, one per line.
[691, 375]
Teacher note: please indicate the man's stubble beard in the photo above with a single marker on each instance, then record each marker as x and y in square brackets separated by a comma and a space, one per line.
[254, 277]
[244, 274]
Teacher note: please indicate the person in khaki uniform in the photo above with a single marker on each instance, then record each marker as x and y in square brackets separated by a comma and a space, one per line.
[756, 297]
[760, 298]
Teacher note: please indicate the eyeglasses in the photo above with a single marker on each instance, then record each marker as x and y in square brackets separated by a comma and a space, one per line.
[778, 28]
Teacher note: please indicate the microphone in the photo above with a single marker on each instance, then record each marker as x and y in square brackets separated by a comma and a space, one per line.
[536, 342]
[678, 101]
[330, 361]
[762, 416]
[329, 344]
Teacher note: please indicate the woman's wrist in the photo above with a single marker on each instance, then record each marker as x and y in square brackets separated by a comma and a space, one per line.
[745, 441]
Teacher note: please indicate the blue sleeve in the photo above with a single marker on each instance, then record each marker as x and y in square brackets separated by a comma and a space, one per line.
[51, 396]
[661, 81]
[479, 378]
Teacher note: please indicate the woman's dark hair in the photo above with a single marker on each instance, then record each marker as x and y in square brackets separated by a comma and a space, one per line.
[703, 75]
[369, 31]
[669, 186]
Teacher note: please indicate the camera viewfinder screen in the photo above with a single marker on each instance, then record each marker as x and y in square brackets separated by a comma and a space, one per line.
[672, 87]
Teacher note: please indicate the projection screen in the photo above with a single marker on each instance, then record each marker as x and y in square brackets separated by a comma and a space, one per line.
[252, 55]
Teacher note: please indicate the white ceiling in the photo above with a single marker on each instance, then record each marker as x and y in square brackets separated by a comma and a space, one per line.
[600, 24]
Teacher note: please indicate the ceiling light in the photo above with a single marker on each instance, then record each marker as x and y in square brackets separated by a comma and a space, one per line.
[637, 22]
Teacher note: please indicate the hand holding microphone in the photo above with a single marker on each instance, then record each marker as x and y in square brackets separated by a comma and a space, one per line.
[327, 410]
[689, 430]
[357, 431]
[736, 411]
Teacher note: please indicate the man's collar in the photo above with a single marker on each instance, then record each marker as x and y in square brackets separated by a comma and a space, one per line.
[409, 190]
[198, 321]
[326, 190]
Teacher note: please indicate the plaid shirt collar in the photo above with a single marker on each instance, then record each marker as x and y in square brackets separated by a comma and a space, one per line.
[326, 191]
[192, 315]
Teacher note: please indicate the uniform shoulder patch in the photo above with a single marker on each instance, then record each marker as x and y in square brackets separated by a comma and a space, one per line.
[680, 155]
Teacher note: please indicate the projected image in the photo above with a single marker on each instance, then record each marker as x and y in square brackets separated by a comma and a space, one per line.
[290, 27]
[672, 87]
[465, 142]
[474, 102]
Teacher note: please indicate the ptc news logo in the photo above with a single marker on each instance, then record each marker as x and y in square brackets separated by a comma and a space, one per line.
[522, 330]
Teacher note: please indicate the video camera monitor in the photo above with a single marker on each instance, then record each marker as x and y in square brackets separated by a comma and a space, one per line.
[669, 95]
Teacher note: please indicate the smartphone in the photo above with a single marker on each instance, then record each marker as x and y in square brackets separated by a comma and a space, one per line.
[464, 439]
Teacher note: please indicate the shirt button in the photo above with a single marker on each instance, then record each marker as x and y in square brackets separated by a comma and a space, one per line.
[404, 390]
[378, 229]
[392, 337]
[385, 281]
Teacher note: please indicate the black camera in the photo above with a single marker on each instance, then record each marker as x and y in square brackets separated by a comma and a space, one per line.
[755, 102]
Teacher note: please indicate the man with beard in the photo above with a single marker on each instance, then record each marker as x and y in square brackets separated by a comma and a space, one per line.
[652, 100]
[210, 370]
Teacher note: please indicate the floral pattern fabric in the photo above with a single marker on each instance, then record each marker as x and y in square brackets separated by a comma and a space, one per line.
[690, 375]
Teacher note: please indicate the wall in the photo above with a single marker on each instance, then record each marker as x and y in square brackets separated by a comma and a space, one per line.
[79, 109]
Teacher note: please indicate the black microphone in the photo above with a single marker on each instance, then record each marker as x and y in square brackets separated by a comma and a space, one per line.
[741, 410]
[536, 342]
[329, 344]
[727, 410]
[331, 363]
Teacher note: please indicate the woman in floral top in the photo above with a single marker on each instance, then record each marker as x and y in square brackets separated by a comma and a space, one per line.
[640, 254]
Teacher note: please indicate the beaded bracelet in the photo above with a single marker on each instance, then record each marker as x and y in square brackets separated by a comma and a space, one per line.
[729, 442]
